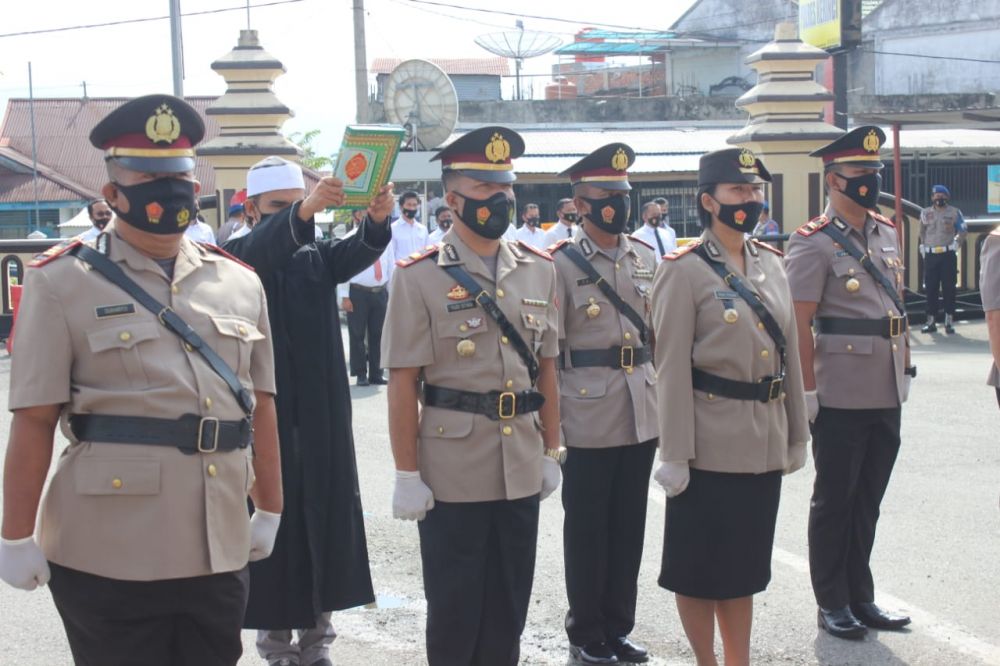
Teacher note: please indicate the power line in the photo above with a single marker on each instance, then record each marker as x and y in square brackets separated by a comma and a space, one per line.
[145, 20]
[931, 57]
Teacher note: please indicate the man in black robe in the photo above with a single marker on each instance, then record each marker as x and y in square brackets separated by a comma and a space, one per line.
[320, 559]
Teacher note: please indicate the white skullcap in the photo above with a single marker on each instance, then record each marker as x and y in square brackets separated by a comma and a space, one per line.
[273, 173]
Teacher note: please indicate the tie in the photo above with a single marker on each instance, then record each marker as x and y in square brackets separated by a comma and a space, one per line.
[569, 231]
[659, 241]
[378, 269]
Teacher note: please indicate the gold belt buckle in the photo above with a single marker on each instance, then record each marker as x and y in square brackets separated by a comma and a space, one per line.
[774, 390]
[627, 357]
[939, 249]
[895, 326]
[509, 413]
[215, 434]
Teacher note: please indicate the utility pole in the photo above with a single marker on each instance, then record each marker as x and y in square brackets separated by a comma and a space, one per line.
[177, 47]
[360, 62]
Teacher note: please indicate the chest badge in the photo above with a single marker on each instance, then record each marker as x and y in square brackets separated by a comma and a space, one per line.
[852, 285]
[458, 293]
[593, 310]
[465, 348]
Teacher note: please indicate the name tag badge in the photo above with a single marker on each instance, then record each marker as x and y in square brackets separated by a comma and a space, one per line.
[841, 253]
[105, 311]
[888, 249]
[726, 295]
[584, 281]
[464, 305]
[642, 274]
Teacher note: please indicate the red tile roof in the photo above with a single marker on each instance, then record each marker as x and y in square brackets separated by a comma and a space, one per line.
[457, 66]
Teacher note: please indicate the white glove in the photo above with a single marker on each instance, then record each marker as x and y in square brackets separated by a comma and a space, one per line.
[812, 405]
[412, 499]
[674, 477]
[906, 387]
[954, 246]
[551, 475]
[22, 564]
[923, 250]
[263, 531]
[796, 457]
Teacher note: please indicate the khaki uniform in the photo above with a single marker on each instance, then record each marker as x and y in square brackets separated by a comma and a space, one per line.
[467, 457]
[851, 370]
[939, 226]
[127, 511]
[603, 407]
[715, 433]
[989, 285]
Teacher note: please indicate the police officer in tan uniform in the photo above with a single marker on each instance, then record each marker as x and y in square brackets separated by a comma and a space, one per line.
[144, 528]
[846, 274]
[989, 287]
[608, 407]
[471, 338]
[942, 230]
[731, 407]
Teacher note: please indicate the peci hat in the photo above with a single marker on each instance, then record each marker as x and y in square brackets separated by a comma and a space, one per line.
[274, 173]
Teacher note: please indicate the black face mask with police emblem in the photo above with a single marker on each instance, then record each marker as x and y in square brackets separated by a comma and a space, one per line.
[741, 217]
[488, 217]
[610, 214]
[162, 206]
[863, 190]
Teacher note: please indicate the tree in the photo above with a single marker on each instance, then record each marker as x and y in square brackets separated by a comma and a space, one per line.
[310, 159]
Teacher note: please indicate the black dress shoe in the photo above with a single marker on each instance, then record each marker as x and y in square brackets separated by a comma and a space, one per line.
[841, 623]
[378, 380]
[627, 651]
[949, 329]
[593, 653]
[362, 381]
[876, 618]
[929, 328]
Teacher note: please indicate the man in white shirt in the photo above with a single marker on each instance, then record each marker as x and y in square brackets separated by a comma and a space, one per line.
[529, 231]
[662, 239]
[200, 232]
[365, 299]
[100, 214]
[565, 226]
[408, 235]
[443, 217]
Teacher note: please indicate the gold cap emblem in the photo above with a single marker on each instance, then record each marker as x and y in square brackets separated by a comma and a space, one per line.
[163, 126]
[498, 149]
[747, 159]
[871, 143]
[619, 161]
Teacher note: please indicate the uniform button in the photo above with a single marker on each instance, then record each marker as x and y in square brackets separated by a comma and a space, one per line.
[711, 396]
[783, 395]
[116, 483]
[895, 347]
[440, 430]
[583, 391]
[242, 330]
[850, 271]
[208, 403]
[764, 353]
[760, 325]
[499, 293]
[617, 266]
[213, 471]
[124, 336]
[850, 347]
[504, 339]
[628, 336]
[509, 383]
[463, 327]
[629, 371]
[188, 347]
[174, 289]
[591, 300]
[507, 430]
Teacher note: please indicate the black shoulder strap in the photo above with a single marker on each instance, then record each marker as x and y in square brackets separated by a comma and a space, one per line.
[602, 284]
[493, 310]
[169, 319]
[866, 262]
[751, 299]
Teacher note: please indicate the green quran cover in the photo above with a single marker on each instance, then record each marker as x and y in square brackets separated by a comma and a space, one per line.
[365, 161]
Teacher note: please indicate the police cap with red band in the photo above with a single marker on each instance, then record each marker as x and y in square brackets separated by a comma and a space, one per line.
[606, 167]
[484, 154]
[859, 147]
[152, 134]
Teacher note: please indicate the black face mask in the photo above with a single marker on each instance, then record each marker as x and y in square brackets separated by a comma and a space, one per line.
[940, 203]
[162, 206]
[531, 221]
[740, 216]
[610, 214]
[444, 225]
[863, 190]
[488, 217]
[570, 217]
[654, 221]
[409, 214]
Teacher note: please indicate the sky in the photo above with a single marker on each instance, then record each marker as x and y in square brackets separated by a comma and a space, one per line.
[312, 38]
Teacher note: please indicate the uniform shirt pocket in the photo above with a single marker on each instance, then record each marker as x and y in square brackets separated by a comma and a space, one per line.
[124, 341]
[844, 344]
[584, 383]
[236, 344]
[461, 337]
[537, 325]
[438, 423]
[111, 476]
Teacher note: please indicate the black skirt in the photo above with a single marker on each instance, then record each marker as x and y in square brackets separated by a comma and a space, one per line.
[719, 535]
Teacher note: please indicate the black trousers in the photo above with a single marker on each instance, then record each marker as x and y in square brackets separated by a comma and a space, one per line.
[176, 622]
[854, 451]
[940, 270]
[479, 564]
[364, 329]
[604, 493]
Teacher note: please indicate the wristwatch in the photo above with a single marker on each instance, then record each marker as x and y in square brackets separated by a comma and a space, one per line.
[911, 371]
[559, 455]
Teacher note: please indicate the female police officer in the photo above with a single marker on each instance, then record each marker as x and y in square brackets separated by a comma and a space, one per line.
[723, 316]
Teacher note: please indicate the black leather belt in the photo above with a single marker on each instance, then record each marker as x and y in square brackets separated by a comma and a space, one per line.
[495, 405]
[613, 357]
[374, 290]
[886, 327]
[190, 433]
[765, 390]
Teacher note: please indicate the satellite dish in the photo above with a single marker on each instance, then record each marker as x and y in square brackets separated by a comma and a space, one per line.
[420, 97]
[518, 44]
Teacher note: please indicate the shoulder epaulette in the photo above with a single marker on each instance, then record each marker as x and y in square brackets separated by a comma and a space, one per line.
[429, 251]
[558, 245]
[879, 217]
[215, 249]
[534, 250]
[813, 225]
[765, 246]
[642, 242]
[54, 252]
[681, 251]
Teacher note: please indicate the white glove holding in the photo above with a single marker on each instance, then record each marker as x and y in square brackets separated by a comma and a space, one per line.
[906, 387]
[263, 531]
[674, 477]
[923, 250]
[796, 457]
[22, 564]
[812, 405]
[412, 499]
[551, 475]
[954, 246]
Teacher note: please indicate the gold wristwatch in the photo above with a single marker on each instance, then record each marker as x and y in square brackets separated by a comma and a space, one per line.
[559, 455]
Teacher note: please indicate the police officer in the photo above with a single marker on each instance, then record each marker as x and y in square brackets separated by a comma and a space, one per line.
[942, 230]
[608, 407]
[846, 271]
[989, 287]
[144, 526]
[472, 324]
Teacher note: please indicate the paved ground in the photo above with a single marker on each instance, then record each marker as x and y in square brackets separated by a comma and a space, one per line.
[936, 556]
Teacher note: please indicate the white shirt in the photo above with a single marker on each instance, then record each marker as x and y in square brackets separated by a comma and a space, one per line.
[436, 236]
[89, 234]
[558, 232]
[511, 234]
[407, 238]
[200, 232]
[667, 236]
[366, 278]
[532, 236]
